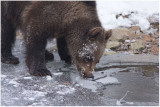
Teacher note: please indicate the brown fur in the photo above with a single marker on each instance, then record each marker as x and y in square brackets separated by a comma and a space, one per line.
[75, 24]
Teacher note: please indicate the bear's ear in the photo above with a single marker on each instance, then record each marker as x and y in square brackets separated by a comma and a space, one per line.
[108, 34]
[93, 33]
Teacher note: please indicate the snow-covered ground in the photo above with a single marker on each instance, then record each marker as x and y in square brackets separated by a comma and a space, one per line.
[142, 11]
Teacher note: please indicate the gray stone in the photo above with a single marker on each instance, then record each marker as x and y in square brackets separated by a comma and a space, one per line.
[118, 34]
[112, 44]
[137, 45]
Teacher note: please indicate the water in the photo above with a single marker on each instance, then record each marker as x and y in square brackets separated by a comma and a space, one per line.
[141, 82]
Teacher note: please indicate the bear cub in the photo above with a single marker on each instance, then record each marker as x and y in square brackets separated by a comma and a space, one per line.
[75, 25]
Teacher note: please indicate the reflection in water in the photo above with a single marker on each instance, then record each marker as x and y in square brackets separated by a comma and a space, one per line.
[148, 71]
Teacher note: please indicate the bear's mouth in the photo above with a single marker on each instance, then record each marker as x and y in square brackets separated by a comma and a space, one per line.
[85, 75]
[88, 76]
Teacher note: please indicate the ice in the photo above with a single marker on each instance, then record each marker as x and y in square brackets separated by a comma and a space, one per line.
[100, 79]
[108, 80]
[86, 83]
[15, 98]
[66, 90]
[130, 103]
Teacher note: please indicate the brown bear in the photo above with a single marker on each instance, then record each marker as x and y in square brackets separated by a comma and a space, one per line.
[75, 25]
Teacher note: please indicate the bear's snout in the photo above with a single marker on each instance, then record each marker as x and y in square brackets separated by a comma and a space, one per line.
[86, 71]
[89, 76]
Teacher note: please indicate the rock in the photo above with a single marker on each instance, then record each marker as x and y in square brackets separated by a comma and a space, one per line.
[157, 33]
[156, 36]
[123, 47]
[148, 46]
[135, 51]
[112, 44]
[133, 40]
[124, 16]
[155, 25]
[118, 15]
[119, 33]
[109, 52]
[139, 34]
[145, 51]
[135, 29]
[137, 44]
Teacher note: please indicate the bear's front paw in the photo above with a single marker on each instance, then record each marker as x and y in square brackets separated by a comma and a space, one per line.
[10, 60]
[41, 72]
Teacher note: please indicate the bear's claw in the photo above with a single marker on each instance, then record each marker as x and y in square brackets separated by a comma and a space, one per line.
[10, 60]
[41, 73]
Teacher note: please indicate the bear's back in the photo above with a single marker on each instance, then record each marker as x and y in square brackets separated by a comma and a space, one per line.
[59, 12]
[12, 10]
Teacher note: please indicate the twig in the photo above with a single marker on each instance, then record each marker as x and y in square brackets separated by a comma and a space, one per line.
[119, 101]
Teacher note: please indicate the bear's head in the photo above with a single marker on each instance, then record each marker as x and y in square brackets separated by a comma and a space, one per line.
[91, 51]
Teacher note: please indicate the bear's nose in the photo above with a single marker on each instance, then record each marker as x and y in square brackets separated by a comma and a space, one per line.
[90, 76]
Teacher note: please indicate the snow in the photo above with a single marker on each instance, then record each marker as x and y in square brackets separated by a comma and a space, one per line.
[68, 90]
[3, 76]
[88, 50]
[143, 10]
[31, 93]
[58, 73]
[27, 77]
[49, 78]
[14, 83]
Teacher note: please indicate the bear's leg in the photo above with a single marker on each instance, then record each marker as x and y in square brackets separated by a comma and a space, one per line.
[35, 55]
[63, 50]
[7, 39]
[48, 56]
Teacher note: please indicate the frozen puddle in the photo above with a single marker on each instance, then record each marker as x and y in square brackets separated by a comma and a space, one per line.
[136, 85]
[139, 86]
